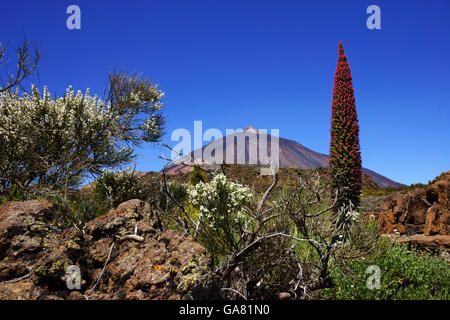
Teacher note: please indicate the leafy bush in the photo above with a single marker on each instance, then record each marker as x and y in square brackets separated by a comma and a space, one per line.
[48, 143]
[115, 187]
[13, 194]
[74, 211]
[220, 205]
[405, 274]
[263, 246]
[197, 175]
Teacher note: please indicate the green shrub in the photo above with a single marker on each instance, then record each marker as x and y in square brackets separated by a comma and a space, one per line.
[197, 175]
[48, 141]
[115, 187]
[374, 192]
[403, 189]
[68, 212]
[13, 194]
[405, 274]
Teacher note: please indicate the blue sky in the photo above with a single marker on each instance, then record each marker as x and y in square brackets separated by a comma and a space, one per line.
[269, 64]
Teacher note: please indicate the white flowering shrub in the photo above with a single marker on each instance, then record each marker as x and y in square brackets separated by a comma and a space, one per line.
[262, 247]
[53, 142]
[221, 212]
[115, 187]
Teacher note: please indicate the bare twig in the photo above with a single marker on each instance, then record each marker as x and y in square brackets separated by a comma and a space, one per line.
[131, 237]
[235, 291]
[101, 272]
[266, 194]
[27, 63]
[16, 279]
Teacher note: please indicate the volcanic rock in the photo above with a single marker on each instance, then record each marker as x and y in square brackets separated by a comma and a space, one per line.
[124, 254]
[421, 211]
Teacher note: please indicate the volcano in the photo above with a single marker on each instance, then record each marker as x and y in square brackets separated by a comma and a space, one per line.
[291, 153]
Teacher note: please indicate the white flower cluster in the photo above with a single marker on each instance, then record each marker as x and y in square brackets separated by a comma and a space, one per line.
[119, 174]
[24, 118]
[118, 184]
[219, 199]
[352, 215]
[151, 125]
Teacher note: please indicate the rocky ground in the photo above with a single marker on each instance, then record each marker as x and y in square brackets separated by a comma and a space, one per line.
[122, 255]
[420, 217]
[126, 254]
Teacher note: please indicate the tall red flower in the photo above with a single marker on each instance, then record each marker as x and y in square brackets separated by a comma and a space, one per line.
[345, 155]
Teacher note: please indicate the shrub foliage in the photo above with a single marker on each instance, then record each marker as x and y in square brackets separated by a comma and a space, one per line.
[50, 143]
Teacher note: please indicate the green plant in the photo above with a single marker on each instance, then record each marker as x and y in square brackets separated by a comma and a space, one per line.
[261, 247]
[197, 175]
[75, 211]
[405, 274]
[115, 187]
[406, 188]
[220, 204]
[47, 143]
[14, 194]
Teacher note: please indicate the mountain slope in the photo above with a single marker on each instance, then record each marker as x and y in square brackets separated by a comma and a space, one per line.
[291, 153]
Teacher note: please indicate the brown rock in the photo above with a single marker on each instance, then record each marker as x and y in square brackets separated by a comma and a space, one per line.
[75, 295]
[149, 270]
[50, 297]
[420, 240]
[418, 211]
[417, 208]
[150, 265]
[24, 230]
[436, 221]
[124, 219]
[50, 270]
[411, 229]
[16, 217]
[400, 228]
[284, 296]
[21, 290]
[399, 206]
[120, 294]
[386, 222]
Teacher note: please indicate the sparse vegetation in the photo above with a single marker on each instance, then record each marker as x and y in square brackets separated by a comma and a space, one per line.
[74, 211]
[405, 274]
[263, 247]
[281, 236]
[114, 187]
[392, 190]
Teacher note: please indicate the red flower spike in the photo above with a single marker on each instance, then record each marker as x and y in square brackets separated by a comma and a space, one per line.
[344, 133]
